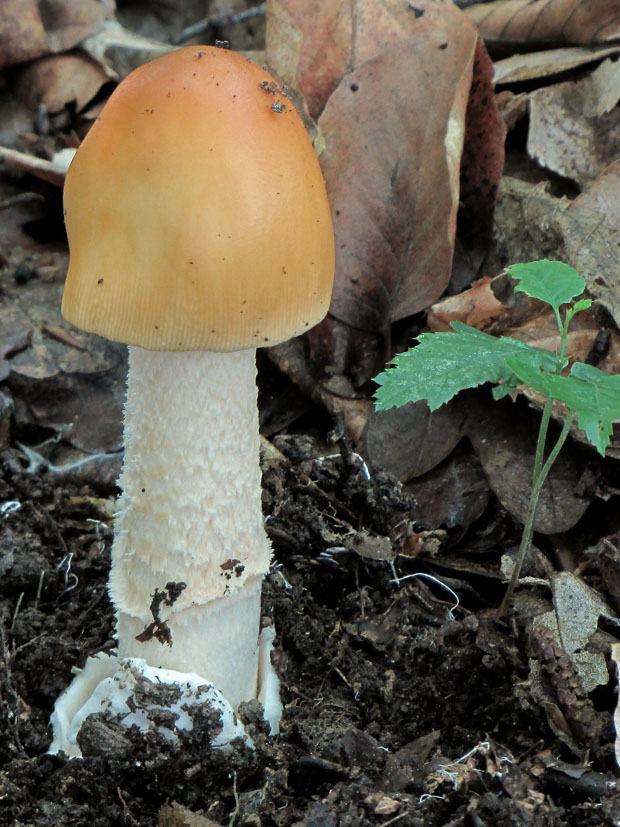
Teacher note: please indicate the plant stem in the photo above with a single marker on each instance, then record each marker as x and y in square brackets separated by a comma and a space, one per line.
[542, 440]
[537, 484]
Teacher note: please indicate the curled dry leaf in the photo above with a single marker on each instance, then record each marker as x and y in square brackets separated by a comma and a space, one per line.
[547, 21]
[564, 681]
[533, 65]
[521, 317]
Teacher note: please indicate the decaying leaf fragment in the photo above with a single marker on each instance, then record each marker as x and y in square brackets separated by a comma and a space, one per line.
[574, 126]
[573, 622]
[615, 656]
[575, 713]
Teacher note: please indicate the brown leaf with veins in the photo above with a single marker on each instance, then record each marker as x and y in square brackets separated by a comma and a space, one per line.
[391, 168]
[547, 21]
[390, 84]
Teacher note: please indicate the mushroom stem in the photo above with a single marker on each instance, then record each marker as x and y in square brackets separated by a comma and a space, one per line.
[190, 513]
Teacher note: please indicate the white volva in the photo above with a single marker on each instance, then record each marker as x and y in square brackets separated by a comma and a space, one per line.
[190, 512]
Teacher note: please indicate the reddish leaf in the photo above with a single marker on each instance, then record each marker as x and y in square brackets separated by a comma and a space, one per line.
[393, 131]
[482, 162]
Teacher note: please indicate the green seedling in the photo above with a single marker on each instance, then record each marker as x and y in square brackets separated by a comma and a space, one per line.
[442, 364]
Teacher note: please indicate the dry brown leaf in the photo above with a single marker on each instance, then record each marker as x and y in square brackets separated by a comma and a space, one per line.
[521, 317]
[411, 440]
[75, 391]
[291, 358]
[506, 446]
[549, 62]
[477, 306]
[453, 494]
[392, 176]
[532, 224]
[391, 85]
[313, 44]
[575, 126]
[52, 171]
[59, 80]
[592, 237]
[512, 107]
[29, 29]
[22, 34]
[547, 21]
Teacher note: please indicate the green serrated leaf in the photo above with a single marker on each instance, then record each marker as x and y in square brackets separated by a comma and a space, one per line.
[552, 282]
[445, 363]
[592, 394]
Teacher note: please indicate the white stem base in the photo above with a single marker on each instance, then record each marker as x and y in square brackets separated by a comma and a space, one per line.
[111, 686]
[218, 640]
[101, 687]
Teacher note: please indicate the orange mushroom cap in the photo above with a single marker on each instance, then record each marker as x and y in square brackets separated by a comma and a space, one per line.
[196, 211]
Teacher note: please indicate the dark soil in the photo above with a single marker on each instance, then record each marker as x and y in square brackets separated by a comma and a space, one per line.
[397, 709]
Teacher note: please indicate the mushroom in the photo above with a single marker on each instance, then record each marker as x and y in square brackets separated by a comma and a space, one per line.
[199, 229]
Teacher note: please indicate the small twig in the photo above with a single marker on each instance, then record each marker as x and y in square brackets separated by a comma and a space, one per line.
[6, 682]
[45, 515]
[21, 198]
[235, 812]
[128, 816]
[218, 21]
[16, 612]
[39, 589]
[395, 819]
